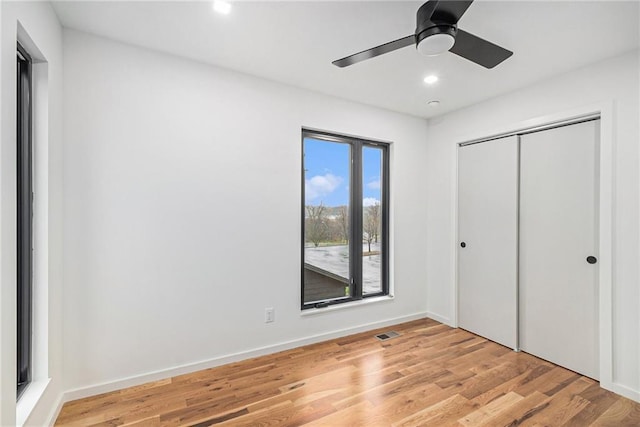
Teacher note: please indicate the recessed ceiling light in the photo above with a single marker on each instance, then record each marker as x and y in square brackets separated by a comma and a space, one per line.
[222, 7]
[433, 103]
[431, 79]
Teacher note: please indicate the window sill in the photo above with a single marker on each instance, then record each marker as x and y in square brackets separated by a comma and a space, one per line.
[346, 305]
[29, 400]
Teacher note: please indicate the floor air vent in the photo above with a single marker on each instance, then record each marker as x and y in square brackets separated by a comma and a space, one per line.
[387, 335]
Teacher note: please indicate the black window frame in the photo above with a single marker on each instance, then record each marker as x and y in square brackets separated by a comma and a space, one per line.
[355, 212]
[24, 226]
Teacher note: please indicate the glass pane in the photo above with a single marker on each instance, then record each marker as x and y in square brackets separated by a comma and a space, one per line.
[371, 220]
[326, 220]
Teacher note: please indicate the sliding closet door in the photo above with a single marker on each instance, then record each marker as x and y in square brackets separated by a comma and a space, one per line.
[558, 246]
[488, 244]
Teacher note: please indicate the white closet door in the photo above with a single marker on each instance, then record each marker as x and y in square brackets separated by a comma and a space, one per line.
[558, 229]
[487, 227]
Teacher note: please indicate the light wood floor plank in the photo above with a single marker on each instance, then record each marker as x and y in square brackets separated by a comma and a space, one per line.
[486, 412]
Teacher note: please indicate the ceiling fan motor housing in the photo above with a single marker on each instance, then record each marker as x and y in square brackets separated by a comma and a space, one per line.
[435, 23]
[447, 29]
[436, 40]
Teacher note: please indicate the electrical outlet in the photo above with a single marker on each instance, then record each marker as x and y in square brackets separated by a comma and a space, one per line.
[269, 315]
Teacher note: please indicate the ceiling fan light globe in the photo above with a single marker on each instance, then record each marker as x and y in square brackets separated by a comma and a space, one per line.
[436, 44]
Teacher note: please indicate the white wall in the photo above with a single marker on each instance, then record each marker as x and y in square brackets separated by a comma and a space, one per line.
[182, 213]
[38, 28]
[613, 80]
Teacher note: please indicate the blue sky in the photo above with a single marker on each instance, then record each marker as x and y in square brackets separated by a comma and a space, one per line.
[327, 173]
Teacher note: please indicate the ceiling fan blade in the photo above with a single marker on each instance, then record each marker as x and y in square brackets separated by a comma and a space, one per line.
[376, 51]
[450, 11]
[478, 50]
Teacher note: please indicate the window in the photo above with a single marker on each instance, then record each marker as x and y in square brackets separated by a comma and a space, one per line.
[345, 219]
[24, 219]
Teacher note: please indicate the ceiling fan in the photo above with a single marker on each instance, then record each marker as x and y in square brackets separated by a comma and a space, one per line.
[436, 32]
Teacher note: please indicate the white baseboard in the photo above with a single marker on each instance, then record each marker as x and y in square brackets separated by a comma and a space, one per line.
[625, 391]
[56, 410]
[106, 387]
[439, 318]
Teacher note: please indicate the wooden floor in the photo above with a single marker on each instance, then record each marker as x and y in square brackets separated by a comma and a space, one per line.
[431, 375]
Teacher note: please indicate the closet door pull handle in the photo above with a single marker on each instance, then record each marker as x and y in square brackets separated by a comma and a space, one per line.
[463, 245]
[591, 259]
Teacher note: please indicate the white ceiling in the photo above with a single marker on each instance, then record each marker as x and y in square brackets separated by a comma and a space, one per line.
[295, 42]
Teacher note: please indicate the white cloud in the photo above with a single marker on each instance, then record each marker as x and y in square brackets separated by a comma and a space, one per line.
[370, 201]
[321, 185]
[374, 185]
